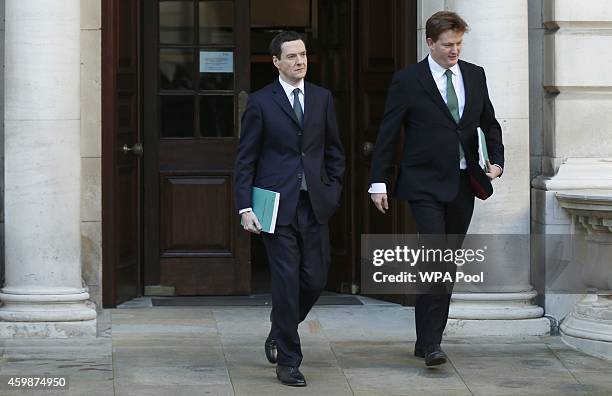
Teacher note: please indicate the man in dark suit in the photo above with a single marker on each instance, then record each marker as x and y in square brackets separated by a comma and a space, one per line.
[440, 102]
[290, 144]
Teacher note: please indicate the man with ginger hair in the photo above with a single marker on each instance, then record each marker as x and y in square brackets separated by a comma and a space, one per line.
[440, 102]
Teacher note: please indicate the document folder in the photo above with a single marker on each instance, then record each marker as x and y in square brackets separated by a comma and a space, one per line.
[265, 207]
[483, 152]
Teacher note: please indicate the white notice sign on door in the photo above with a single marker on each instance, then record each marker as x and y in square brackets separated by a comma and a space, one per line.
[216, 62]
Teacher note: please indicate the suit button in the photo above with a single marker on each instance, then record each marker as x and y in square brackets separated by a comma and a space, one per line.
[299, 176]
[303, 155]
[299, 133]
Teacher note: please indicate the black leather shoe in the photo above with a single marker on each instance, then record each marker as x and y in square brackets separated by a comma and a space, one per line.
[435, 356]
[270, 348]
[290, 376]
[419, 351]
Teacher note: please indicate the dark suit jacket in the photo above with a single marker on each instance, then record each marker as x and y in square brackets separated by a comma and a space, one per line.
[429, 167]
[274, 148]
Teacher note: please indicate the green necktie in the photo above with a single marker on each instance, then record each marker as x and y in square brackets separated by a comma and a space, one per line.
[297, 106]
[453, 103]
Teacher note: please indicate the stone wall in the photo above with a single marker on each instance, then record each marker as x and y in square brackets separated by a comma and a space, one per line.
[536, 87]
[2, 143]
[575, 148]
[91, 152]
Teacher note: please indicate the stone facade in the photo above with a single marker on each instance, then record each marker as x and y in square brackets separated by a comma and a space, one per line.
[2, 143]
[572, 193]
[91, 151]
[548, 80]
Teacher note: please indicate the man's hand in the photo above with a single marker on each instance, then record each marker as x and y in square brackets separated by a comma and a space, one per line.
[380, 201]
[493, 172]
[250, 222]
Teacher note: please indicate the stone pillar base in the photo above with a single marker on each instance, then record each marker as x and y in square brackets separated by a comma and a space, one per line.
[497, 327]
[496, 314]
[48, 305]
[46, 313]
[86, 328]
[589, 326]
[600, 349]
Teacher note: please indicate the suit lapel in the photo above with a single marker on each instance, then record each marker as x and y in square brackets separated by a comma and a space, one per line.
[427, 81]
[279, 96]
[467, 88]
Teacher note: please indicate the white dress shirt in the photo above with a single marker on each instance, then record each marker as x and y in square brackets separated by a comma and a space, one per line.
[439, 75]
[289, 91]
[288, 88]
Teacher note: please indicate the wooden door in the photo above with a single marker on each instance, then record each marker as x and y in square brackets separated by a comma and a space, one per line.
[196, 73]
[120, 151]
[335, 71]
[387, 42]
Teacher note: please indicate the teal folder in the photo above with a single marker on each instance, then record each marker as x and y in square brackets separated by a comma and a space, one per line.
[265, 207]
[483, 152]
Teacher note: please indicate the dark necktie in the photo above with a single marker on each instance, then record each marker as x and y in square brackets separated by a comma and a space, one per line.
[299, 113]
[453, 104]
[297, 106]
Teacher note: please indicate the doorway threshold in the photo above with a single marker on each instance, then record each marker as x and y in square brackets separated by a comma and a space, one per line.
[254, 300]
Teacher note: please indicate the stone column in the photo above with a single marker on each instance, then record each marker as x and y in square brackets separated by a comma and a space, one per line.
[498, 41]
[43, 295]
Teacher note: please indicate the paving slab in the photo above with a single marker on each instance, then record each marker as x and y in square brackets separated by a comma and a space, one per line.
[381, 322]
[382, 367]
[507, 369]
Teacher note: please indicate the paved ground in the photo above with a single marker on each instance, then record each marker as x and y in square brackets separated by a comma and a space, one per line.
[348, 350]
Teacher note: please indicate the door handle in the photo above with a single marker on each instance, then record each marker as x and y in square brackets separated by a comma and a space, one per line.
[368, 147]
[242, 102]
[136, 149]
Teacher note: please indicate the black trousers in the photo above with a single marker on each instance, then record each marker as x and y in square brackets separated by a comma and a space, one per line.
[299, 258]
[433, 217]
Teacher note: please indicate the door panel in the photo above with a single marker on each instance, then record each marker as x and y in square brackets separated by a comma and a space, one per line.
[182, 209]
[195, 67]
[383, 49]
[336, 72]
[120, 162]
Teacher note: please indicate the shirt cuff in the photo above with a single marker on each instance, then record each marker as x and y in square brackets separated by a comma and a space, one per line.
[241, 211]
[378, 188]
[500, 168]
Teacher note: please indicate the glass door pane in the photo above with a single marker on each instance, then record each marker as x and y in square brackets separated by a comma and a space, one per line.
[216, 20]
[176, 22]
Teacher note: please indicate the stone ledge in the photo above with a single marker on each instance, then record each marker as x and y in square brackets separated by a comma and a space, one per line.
[497, 327]
[77, 329]
[600, 349]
